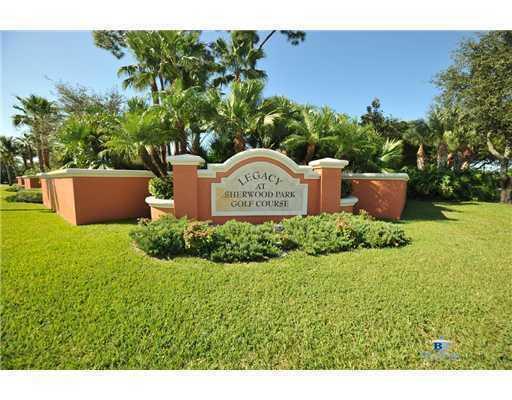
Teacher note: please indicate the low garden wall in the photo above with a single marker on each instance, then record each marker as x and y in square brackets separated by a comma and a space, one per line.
[381, 195]
[19, 181]
[31, 182]
[83, 196]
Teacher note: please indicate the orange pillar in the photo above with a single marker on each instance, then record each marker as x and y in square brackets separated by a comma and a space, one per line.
[184, 175]
[329, 170]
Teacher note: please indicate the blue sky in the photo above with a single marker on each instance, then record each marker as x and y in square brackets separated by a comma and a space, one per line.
[342, 69]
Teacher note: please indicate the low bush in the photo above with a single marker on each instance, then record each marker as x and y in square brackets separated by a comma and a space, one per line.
[161, 187]
[162, 238]
[318, 234]
[241, 241]
[198, 238]
[26, 196]
[444, 184]
[14, 188]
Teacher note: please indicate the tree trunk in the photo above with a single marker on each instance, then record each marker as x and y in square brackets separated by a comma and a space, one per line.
[310, 152]
[157, 160]
[239, 143]
[196, 144]
[420, 158]
[505, 182]
[442, 154]
[466, 159]
[8, 170]
[24, 158]
[31, 156]
[40, 158]
[148, 162]
[163, 150]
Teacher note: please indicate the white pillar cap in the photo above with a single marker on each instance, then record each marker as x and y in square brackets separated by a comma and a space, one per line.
[328, 163]
[186, 159]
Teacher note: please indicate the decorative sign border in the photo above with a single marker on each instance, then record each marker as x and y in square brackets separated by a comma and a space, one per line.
[261, 212]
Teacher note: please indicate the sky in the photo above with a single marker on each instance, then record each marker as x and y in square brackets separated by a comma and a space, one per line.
[341, 69]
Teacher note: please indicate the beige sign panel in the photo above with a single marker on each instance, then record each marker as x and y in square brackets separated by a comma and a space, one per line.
[259, 188]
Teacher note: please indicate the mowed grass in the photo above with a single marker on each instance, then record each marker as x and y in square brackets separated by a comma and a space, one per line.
[83, 297]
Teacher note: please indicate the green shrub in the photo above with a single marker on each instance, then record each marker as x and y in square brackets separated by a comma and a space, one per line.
[162, 238]
[14, 188]
[161, 188]
[199, 239]
[445, 184]
[26, 196]
[241, 241]
[319, 234]
[382, 234]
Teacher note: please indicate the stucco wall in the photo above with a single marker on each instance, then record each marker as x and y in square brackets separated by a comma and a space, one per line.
[88, 199]
[31, 182]
[381, 198]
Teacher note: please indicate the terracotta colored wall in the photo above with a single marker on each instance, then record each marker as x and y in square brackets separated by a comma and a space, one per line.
[62, 198]
[31, 183]
[381, 198]
[19, 180]
[330, 189]
[349, 209]
[85, 200]
[45, 189]
[99, 199]
[204, 206]
[159, 212]
[185, 191]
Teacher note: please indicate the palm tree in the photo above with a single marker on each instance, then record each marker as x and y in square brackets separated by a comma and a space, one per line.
[40, 115]
[419, 134]
[439, 126]
[182, 113]
[314, 128]
[162, 57]
[140, 134]
[26, 143]
[8, 153]
[238, 58]
[243, 113]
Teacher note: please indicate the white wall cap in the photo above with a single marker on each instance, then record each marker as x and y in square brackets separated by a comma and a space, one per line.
[213, 169]
[328, 163]
[186, 159]
[159, 203]
[108, 173]
[348, 201]
[376, 176]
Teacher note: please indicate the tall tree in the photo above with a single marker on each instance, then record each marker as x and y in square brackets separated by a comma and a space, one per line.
[41, 116]
[480, 83]
[238, 57]
[8, 153]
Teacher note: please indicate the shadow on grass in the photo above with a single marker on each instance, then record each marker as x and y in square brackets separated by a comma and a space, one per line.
[24, 209]
[417, 210]
[130, 221]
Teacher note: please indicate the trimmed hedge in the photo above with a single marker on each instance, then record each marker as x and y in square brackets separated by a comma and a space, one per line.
[241, 241]
[26, 196]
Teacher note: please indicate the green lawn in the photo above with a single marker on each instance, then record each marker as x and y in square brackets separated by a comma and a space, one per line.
[83, 297]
